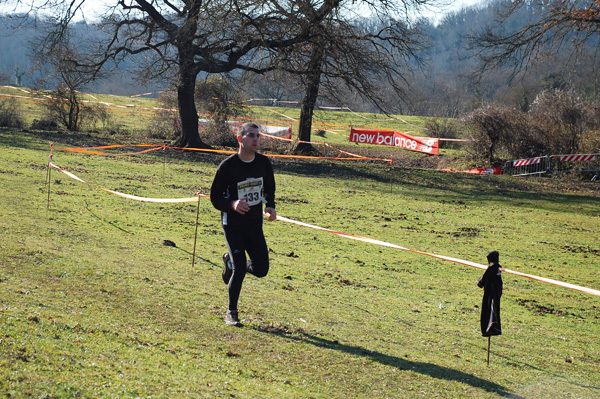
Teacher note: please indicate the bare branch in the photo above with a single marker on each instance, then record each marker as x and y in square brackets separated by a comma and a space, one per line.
[557, 24]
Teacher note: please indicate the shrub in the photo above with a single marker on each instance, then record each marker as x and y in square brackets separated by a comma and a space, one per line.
[492, 129]
[165, 124]
[64, 107]
[44, 124]
[590, 139]
[67, 109]
[217, 133]
[590, 142]
[221, 100]
[10, 114]
[562, 120]
[92, 116]
[443, 128]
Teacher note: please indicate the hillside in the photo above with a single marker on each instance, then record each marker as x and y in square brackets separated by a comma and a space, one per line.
[95, 304]
[134, 120]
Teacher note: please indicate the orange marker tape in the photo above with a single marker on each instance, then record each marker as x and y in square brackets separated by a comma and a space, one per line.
[92, 150]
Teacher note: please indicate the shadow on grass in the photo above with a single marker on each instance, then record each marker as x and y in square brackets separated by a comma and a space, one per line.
[542, 193]
[111, 224]
[103, 220]
[427, 369]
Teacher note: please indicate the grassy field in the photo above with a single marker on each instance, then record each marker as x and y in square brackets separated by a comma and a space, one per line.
[93, 304]
[133, 120]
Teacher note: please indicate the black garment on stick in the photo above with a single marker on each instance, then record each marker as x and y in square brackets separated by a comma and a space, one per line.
[491, 282]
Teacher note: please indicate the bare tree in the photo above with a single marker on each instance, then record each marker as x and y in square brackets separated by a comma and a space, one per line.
[491, 128]
[349, 53]
[18, 76]
[190, 37]
[66, 105]
[218, 97]
[563, 118]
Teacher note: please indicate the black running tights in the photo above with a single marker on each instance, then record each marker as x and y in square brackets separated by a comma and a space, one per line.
[242, 240]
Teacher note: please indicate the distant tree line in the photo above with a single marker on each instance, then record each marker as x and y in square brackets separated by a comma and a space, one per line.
[492, 65]
[448, 86]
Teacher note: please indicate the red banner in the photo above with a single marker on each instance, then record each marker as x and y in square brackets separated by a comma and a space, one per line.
[396, 139]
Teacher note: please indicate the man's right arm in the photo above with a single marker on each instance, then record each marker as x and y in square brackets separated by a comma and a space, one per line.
[217, 192]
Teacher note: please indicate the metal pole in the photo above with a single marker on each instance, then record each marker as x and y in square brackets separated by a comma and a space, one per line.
[48, 176]
[165, 160]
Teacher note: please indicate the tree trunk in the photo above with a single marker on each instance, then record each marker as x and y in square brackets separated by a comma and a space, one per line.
[308, 102]
[187, 108]
[73, 124]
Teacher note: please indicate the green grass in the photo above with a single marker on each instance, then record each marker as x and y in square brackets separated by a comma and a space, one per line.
[92, 304]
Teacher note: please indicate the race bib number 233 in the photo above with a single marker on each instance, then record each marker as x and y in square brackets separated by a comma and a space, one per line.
[250, 190]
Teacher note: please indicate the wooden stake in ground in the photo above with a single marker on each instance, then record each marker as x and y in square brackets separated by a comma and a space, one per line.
[49, 174]
[489, 342]
[196, 233]
[165, 160]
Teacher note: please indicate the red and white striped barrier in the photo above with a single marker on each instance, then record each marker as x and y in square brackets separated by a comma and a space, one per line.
[525, 162]
[577, 158]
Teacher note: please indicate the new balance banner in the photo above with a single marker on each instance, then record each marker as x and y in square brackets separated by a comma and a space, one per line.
[396, 139]
[478, 171]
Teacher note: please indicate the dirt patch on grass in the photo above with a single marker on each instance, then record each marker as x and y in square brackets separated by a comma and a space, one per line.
[541, 310]
[578, 249]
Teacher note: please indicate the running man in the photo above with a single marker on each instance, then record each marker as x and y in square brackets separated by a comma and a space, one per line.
[242, 184]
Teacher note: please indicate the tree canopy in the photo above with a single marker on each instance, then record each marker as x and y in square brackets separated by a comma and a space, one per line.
[185, 38]
[445, 87]
[553, 25]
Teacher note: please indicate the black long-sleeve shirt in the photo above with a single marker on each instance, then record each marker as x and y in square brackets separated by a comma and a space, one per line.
[251, 181]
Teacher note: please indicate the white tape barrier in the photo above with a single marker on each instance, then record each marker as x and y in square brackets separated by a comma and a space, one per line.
[350, 236]
[447, 258]
[128, 196]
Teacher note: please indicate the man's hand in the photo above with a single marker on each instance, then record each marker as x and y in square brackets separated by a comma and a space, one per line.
[271, 213]
[240, 206]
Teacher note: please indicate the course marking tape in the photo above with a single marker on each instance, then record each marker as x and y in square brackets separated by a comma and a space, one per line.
[346, 235]
[447, 258]
[128, 196]
[93, 150]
